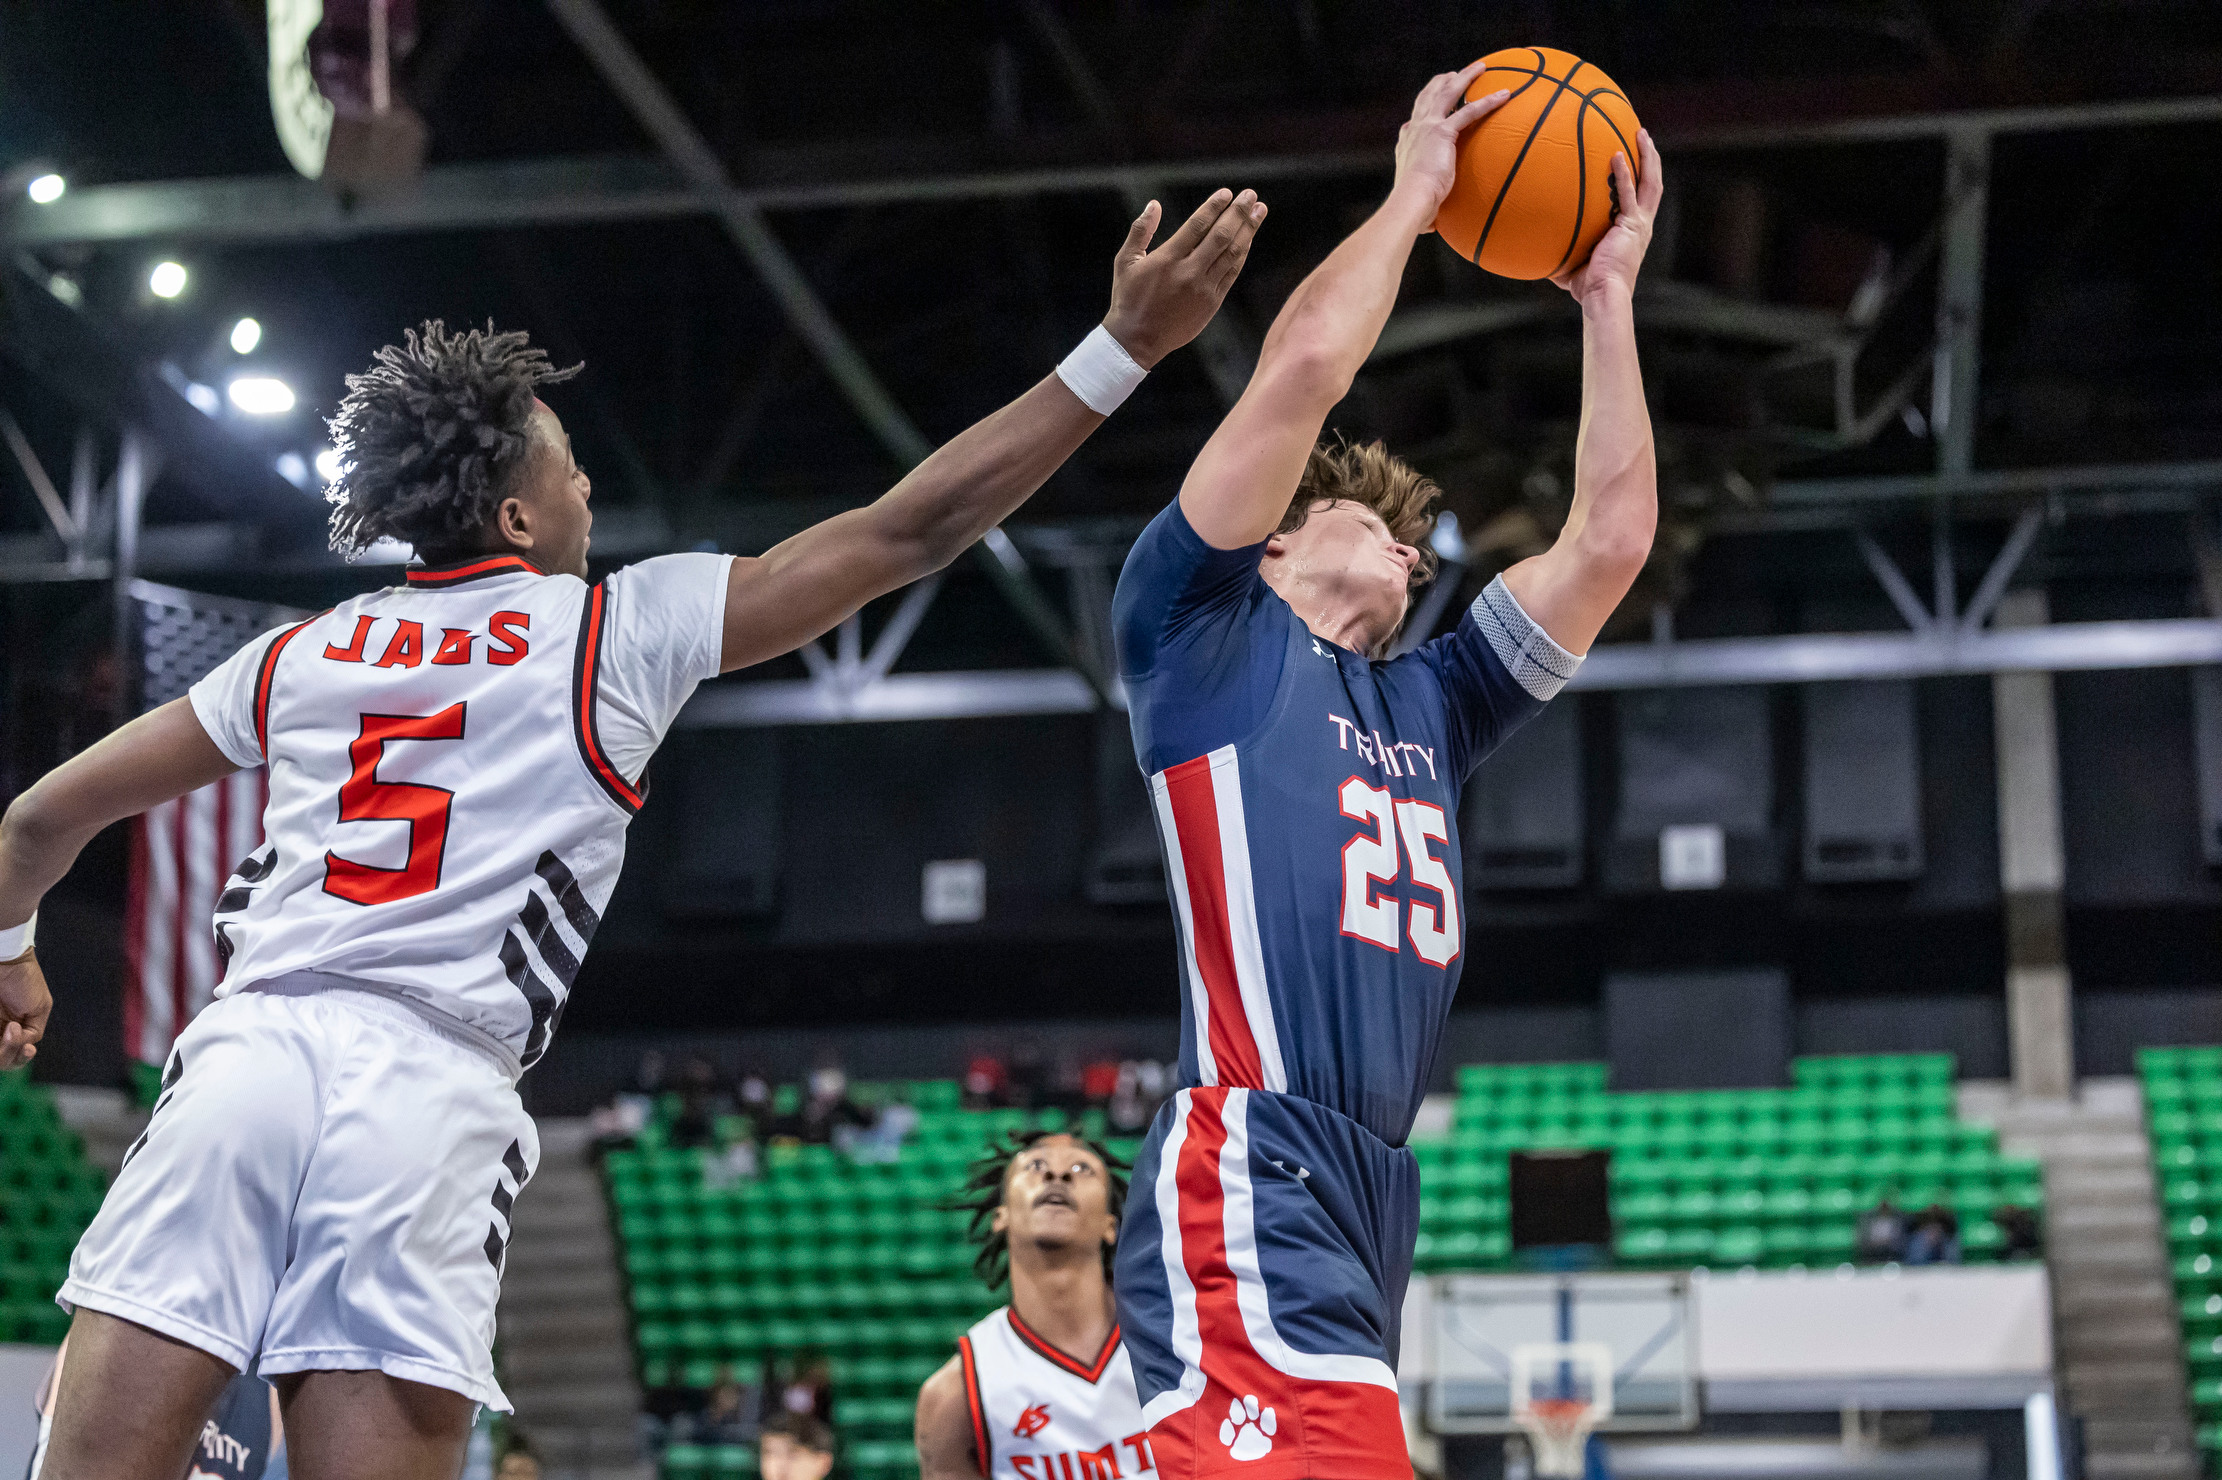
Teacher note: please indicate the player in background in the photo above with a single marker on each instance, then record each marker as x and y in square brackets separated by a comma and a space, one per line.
[1040, 1389]
[795, 1446]
[324, 1191]
[244, 1438]
[1307, 797]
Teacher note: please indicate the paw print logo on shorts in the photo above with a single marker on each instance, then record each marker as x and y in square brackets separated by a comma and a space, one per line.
[1247, 1430]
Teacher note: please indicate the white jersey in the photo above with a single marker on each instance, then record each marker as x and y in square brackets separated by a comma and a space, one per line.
[452, 766]
[1037, 1414]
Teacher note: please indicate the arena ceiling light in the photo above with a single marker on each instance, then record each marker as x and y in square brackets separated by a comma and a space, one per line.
[167, 280]
[245, 335]
[327, 466]
[261, 395]
[47, 188]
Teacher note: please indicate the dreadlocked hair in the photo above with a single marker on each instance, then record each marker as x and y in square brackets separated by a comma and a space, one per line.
[990, 1174]
[430, 435]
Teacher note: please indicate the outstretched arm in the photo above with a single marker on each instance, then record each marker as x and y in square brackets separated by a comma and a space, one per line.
[1240, 484]
[1571, 588]
[806, 585]
[157, 756]
[944, 1428]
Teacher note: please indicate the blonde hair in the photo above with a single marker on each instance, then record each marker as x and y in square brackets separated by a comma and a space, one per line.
[1368, 475]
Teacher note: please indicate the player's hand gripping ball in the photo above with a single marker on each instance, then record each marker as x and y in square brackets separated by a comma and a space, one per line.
[1534, 188]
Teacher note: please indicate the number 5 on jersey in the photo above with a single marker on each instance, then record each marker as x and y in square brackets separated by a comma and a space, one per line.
[365, 798]
[1373, 859]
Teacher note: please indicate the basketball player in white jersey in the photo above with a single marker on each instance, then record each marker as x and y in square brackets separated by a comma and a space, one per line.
[1041, 1389]
[324, 1192]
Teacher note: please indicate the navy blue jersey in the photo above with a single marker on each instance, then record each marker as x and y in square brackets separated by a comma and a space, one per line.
[1307, 806]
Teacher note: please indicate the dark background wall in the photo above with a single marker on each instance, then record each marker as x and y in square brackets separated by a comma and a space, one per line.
[840, 820]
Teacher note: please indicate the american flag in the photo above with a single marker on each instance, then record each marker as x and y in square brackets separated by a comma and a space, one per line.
[184, 850]
[181, 854]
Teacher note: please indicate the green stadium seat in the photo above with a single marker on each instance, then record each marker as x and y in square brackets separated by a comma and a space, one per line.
[732, 1461]
[1741, 1245]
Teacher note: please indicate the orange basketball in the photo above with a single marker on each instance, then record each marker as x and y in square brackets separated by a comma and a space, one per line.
[1534, 188]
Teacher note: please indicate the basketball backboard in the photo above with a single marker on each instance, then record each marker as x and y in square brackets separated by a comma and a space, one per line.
[1476, 1324]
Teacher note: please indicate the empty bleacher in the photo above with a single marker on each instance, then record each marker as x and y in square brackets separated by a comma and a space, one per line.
[862, 1263]
[2183, 1106]
[857, 1261]
[48, 1193]
[1762, 1177]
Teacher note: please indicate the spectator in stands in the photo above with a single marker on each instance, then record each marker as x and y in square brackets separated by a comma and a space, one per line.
[810, 1389]
[696, 1122]
[796, 1446]
[733, 1414]
[1026, 1085]
[1141, 1089]
[1882, 1233]
[669, 1415]
[985, 1081]
[1098, 1082]
[518, 1462]
[620, 1121]
[752, 1096]
[883, 1142]
[1934, 1237]
[825, 1112]
[2023, 1238]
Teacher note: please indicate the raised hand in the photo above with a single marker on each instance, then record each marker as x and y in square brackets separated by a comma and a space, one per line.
[1619, 252]
[1160, 300]
[24, 1005]
[1427, 145]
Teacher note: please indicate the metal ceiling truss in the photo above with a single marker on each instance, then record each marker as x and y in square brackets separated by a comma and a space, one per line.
[851, 684]
[575, 189]
[659, 114]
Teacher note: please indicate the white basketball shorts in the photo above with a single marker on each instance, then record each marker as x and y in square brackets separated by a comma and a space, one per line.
[326, 1184]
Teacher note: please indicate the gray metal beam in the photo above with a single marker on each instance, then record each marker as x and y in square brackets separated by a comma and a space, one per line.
[1806, 658]
[2094, 478]
[2128, 113]
[1826, 657]
[571, 190]
[1959, 333]
[900, 696]
[2002, 568]
[653, 107]
[1893, 581]
[656, 111]
[629, 187]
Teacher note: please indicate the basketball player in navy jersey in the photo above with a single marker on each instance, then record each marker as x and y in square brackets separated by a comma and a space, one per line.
[1307, 795]
[1040, 1389]
[323, 1194]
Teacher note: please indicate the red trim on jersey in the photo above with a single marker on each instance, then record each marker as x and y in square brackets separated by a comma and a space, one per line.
[1190, 787]
[983, 1450]
[262, 684]
[1049, 1353]
[585, 673]
[455, 572]
[1349, 1429]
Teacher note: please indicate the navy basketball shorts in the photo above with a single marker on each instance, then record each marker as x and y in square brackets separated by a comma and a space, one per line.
[1260, 1280]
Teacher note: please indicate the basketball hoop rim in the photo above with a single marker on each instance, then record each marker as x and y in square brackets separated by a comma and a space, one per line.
[1559, 1430]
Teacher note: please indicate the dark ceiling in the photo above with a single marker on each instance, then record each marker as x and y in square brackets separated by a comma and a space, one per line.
[704, 414]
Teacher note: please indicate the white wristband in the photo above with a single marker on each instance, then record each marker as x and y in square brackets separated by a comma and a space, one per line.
[15, 943]
[1100, 372]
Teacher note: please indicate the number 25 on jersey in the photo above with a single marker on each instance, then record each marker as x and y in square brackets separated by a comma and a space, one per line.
[1373, 859]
